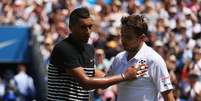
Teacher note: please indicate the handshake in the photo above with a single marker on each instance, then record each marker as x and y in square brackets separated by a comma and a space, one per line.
[134, 72]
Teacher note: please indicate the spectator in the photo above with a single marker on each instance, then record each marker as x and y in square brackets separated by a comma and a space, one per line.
[24, 84]
[195, 88]
[103, 64]
[2, 88]
[11, 93]
[195, 67]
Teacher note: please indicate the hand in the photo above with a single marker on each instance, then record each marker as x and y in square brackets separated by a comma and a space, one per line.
[132, 72]
[142, 69]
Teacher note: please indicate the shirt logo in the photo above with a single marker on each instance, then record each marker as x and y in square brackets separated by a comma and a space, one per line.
[7, 43]
[142, 61]
[89, 63]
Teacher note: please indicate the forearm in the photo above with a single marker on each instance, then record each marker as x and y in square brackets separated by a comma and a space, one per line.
[94, 83]
[168, 95]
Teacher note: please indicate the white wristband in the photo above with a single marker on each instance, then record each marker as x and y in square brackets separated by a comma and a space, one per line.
[123, 76]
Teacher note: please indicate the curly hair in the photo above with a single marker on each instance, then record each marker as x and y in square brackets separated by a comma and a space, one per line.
[137, 23]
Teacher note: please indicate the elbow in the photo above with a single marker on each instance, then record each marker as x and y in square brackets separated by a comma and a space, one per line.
[85, 83]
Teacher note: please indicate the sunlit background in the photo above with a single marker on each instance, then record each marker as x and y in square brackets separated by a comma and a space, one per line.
[29, 29]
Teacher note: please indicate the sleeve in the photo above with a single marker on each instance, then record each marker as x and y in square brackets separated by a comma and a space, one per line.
[65, 57]
[160, 75]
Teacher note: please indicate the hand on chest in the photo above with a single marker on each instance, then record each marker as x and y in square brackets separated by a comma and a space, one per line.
[138, 63]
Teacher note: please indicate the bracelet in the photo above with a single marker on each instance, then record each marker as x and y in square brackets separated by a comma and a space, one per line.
[123, 76]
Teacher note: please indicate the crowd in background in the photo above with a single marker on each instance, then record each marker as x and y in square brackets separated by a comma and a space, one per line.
[17, 87]
[174, 32]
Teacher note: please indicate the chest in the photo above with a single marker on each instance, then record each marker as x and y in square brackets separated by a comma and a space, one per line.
[122, 65]
[144, 81]
[87, 61]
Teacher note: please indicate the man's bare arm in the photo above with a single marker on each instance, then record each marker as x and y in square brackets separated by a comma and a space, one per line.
[168, 95]
[95, 82]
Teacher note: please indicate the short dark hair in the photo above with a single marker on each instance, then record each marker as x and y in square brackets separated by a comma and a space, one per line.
[135, 22]
[78, 13]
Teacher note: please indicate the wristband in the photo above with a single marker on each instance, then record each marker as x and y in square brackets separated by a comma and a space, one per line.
[123, 76]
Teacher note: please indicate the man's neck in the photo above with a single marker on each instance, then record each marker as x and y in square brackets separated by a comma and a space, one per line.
[134, 51]
[77, 41]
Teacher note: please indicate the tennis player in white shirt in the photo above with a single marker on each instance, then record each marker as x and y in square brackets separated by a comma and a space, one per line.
[156, 81]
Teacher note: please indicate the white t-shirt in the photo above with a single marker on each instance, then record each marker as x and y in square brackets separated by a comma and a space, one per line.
[196, 89]
[24, 82]
[148, 87]
[195, 68]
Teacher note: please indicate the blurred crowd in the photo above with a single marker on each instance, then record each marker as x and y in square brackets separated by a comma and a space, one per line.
[174, 32]
[17, 86]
